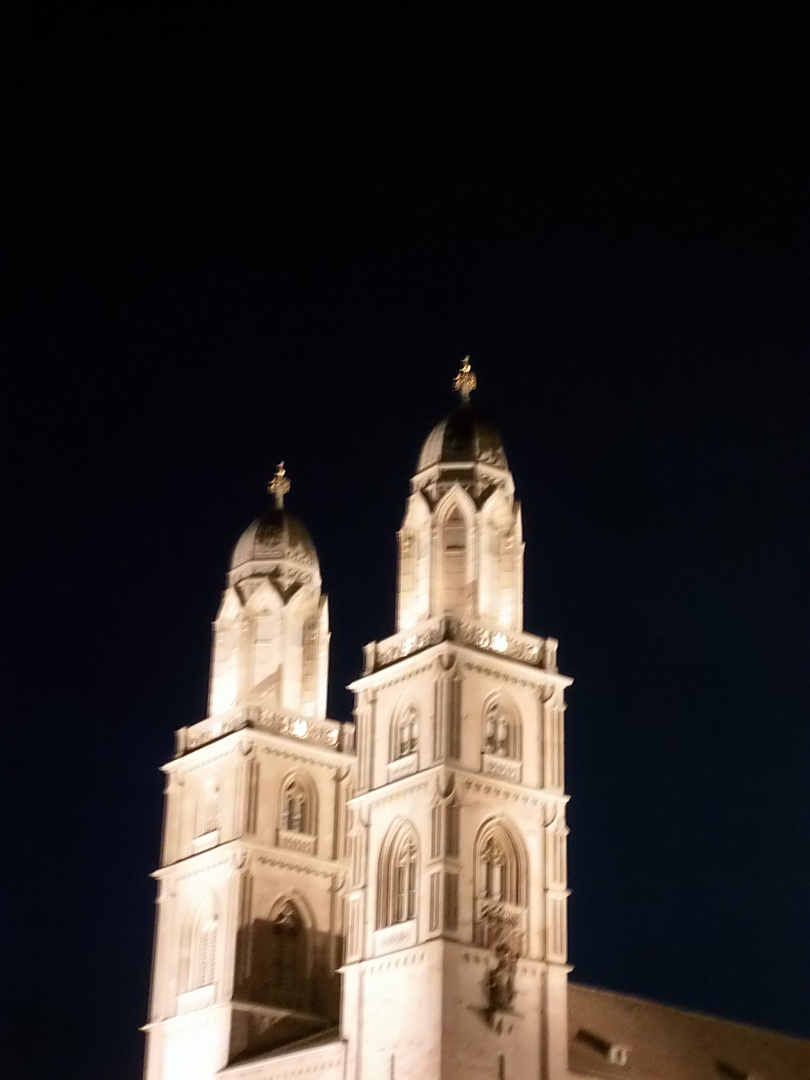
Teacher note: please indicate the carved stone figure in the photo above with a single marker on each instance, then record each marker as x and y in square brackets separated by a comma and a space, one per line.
[502, 978]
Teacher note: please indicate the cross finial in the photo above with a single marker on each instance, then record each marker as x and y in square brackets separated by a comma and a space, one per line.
[279, 485]
[465, 381]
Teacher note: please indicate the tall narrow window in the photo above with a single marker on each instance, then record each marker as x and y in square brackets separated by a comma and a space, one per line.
[202, 947]
[493, 859]
[406, 882]
[454, 562]
[501, 730]
[398, 874]
[288, 947]
[500, 883]
[408, 732]
[309, 665]
[404, 732]
[208, 953]
[208, 816]
[298, 806]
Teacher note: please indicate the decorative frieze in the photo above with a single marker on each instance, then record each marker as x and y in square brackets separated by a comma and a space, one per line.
[295, 841]
[526, 648]
[492, 765]
[404, 766]
[331, 734]
[400, 936]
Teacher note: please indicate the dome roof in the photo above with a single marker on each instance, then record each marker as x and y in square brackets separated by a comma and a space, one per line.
[463, 436]
[275, 536]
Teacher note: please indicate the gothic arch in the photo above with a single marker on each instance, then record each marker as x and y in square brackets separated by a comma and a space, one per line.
[398, 875]
[457, 497]
[501, 879]
[265, 600]
[501, 729]
[208, 807]
[455, 521]
[404, 729]
[286, 947]
[298, 803]
[198, 950]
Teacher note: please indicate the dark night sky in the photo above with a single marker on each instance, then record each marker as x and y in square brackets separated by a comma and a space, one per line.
[227, 241]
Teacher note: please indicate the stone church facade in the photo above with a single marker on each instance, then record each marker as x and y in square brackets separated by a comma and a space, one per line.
[386, 899]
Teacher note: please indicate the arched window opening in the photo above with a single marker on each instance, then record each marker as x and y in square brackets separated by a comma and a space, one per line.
[267, 644]
[309, 665]
[288, 947]
[202, 956]
[398, 878]
[494, 861]
[454, 561]
[406, 734]
[405, 871]
[500, 891]
[208, 816]
[297, 806]
[501, 731]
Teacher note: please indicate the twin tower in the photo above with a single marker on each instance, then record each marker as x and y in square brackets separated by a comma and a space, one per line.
[383, 899]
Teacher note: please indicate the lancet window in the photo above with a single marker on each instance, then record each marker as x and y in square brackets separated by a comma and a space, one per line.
[208, 813]
[501, 730]
[298, 810]
[454, 561]
[405, 734]
[288, 947]
[500, 883]
[202, 954]
[398, 877]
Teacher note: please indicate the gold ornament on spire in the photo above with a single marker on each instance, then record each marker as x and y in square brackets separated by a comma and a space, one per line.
[279, 485]
[465, 381]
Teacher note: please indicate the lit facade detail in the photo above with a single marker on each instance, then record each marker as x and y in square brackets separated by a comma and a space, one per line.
[384, 898]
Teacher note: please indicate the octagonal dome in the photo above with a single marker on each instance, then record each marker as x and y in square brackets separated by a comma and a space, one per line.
[276, 536]
[463, 436]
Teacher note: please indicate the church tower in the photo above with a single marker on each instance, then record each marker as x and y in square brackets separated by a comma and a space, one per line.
[249, 936]
[398, 913]
[456, 961]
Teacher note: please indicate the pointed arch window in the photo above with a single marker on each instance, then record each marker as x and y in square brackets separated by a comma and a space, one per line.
[454, 561]
[298, 810]
[405, 883]
[501, 730]
[398, 879]
[500, 882]
[203, 947]
[288, 947]
[208, 813]
[405, 736]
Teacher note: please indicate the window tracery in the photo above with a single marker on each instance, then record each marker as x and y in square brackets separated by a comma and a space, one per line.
[288, 947]
[202, 953]
[406, 733]
[454, 561]
[298, 810]
[500, 876]
[208, 815]
[501, 730]
[398, 878]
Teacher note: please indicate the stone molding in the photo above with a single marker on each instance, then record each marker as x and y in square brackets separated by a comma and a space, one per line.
[329, 734]
[525, 648]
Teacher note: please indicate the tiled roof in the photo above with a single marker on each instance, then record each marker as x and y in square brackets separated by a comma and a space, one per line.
[664, 1043]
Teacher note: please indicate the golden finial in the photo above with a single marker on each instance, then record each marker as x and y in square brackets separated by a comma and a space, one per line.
[465, 381]
[279, 485]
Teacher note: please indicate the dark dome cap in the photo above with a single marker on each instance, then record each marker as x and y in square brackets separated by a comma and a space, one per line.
[463, 436]
[274, 536]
